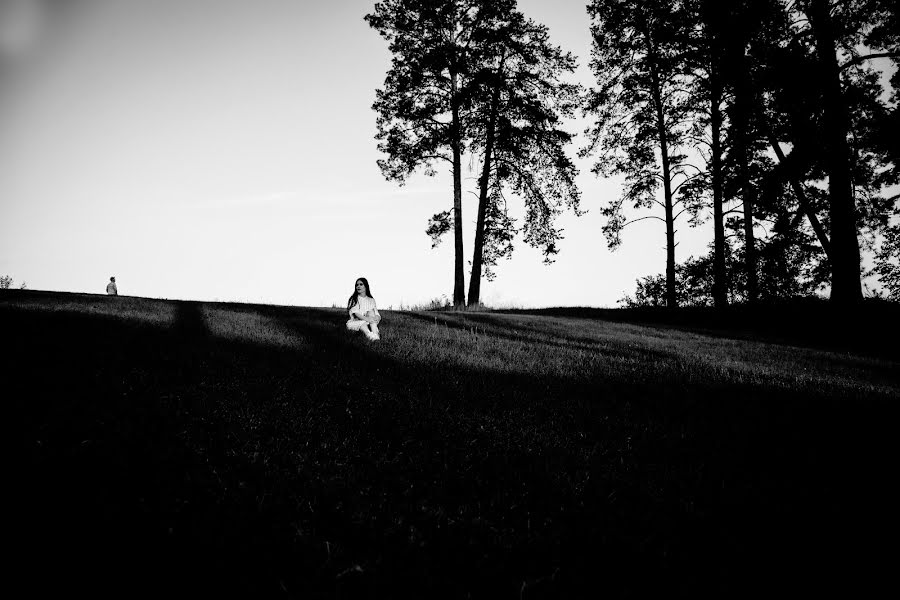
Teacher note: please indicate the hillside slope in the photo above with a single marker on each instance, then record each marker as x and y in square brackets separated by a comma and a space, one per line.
[207, 448]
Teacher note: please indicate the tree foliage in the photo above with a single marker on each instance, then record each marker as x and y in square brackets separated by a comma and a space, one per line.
[804, 146]
[477, 76]
[518, 107]
[641, 114]
[422, 108]
[887, 266]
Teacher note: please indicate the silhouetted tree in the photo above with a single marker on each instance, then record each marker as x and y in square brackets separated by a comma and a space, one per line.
[709, 44]
[887, 262]
[641, 113]
[709, 28]
[518, 101]
[774, 153]
[725, 129]
[422, 106]
[837, 29]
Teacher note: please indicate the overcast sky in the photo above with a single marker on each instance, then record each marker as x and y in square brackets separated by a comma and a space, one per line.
[224, 149]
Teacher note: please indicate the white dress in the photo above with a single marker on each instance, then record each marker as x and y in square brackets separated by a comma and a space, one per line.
[362, 307]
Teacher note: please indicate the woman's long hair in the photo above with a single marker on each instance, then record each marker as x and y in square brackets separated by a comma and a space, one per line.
[353, 297]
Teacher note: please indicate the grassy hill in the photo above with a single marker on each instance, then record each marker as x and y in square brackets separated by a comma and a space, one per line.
[192, 448]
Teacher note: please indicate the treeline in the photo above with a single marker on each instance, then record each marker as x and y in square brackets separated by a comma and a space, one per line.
[6, 282]
[765, 117]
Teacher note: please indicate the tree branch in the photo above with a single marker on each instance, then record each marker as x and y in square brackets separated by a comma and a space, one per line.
[439, 156]
[859, 59]
[644, 218]
[686, 179]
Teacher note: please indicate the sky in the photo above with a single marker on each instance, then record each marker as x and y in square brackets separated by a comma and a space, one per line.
[225, 150]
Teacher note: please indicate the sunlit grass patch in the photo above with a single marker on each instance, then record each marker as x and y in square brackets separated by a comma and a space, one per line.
[585, 349]
[250, 326]
[142, 310]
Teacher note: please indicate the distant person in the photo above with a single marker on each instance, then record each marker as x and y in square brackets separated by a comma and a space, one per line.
[363, 312]
[111, 288]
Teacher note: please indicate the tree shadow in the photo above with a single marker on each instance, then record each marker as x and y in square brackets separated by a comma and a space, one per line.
[779, 483]
[869, 329]
[336, 470]
[494, 328]
[882, 370]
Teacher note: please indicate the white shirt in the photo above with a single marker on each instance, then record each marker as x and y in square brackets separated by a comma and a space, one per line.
[111, 289]
[364, 305]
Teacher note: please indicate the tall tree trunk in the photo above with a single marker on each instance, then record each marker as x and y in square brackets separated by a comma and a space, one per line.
[671, 297]
[846, 287]
[459, 282]
[720, 284]
[484, 184]
[741, 126]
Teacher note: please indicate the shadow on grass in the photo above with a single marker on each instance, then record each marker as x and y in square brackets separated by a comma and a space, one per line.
[617, 342]
[487, 324]
[871, 328]
[165, 458]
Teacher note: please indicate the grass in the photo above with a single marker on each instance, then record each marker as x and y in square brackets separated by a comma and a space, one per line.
[259, 451]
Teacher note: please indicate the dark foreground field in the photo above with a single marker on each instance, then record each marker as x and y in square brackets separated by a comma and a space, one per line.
[166, 448]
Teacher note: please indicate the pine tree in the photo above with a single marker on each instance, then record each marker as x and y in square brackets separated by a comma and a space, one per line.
[640, 107]
[422, 107]
[837, 30]
[517, 111]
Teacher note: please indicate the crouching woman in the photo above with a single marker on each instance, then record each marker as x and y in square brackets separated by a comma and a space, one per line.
[363, 312]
